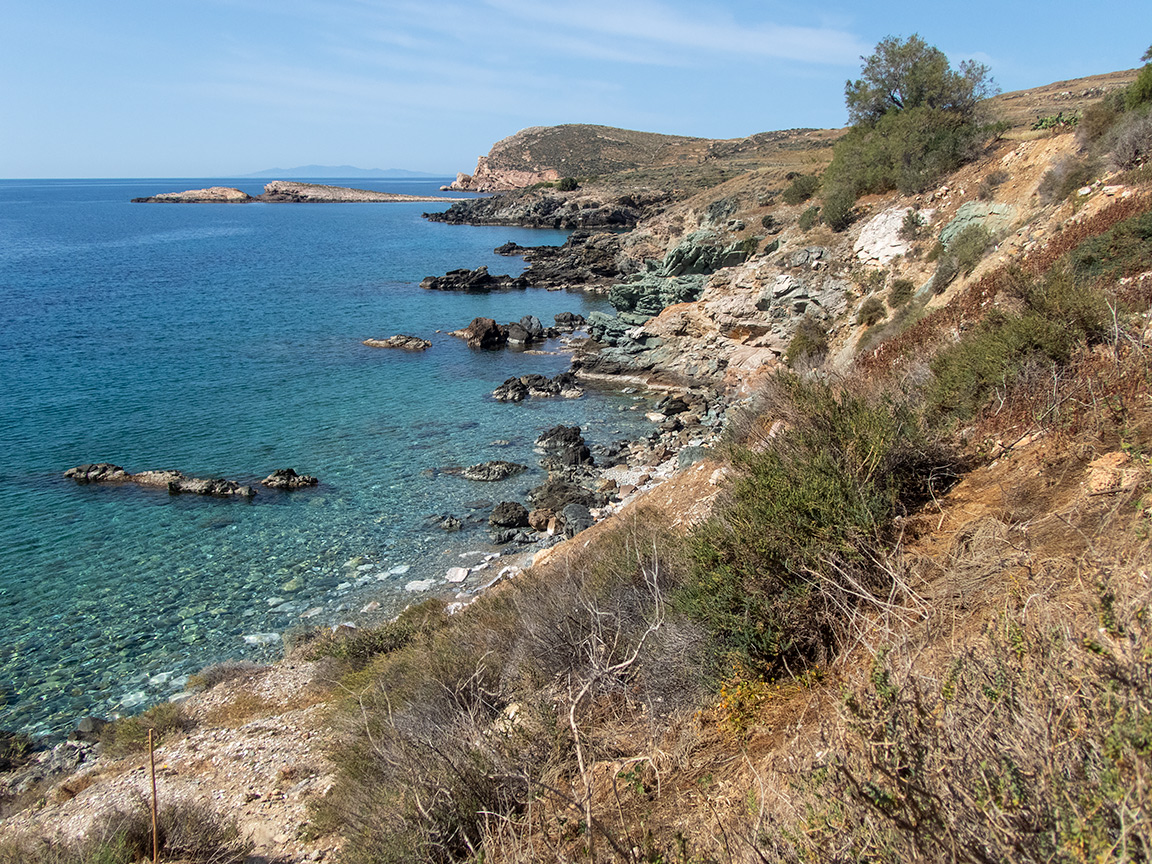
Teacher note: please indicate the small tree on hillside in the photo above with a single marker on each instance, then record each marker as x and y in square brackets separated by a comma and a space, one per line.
[910, 73]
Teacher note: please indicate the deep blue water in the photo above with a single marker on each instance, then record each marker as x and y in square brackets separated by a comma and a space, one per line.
[224, 340]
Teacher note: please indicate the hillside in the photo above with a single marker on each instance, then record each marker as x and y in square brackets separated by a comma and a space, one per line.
[874, 589]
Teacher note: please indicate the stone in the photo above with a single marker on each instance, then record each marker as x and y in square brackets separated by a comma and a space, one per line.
[996, 217]
[478, 281]
[566, 322]
[456, 574]
[100, 472]
[539, 519]
[400, 341]
[880, 239]
[450, 523]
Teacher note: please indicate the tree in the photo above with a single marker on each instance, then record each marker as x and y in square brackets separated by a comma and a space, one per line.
[910, 73]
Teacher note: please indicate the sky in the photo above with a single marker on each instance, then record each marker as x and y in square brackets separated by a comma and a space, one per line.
[218, 88]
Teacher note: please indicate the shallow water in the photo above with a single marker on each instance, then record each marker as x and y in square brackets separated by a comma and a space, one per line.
[224, 340]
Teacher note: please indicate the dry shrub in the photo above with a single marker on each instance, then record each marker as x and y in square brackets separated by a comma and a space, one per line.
[467, 724]
[130, 734]
[226, 670]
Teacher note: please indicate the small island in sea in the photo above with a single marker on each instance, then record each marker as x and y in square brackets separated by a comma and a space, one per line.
[284, 191]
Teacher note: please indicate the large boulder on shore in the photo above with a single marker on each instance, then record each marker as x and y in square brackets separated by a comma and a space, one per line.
[564, 447]
[483, 333]
[509, 514]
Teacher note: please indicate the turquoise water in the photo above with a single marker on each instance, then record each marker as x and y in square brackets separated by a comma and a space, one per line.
[224, 340]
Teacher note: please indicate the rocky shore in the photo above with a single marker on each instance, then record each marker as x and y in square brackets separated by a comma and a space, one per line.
[284, 191]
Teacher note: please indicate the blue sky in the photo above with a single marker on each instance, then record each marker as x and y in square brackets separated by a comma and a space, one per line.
[201, 88]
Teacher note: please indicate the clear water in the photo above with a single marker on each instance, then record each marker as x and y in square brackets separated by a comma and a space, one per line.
[224, 340]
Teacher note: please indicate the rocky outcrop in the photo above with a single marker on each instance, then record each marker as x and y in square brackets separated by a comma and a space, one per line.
[991, 215]
[483, 333]
[538, 387]
[175, 482]
[563, 447]
[478, 281]
[211, 195]
[880, 241]
[285, 191]
[545, 153]
[550, 209]
[509, 514]
[404, 343]
[286, 479]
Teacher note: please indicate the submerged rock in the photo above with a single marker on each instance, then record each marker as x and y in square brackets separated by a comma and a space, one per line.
[478, 281]
[172, 480]
[492, 471]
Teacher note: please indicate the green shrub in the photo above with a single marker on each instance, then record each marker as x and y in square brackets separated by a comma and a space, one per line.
[871, 311]
[809, 343]
[567, 184]
[969, 246]
[811, 500]
[1124, 250]
[900, 292]
[1139, 91]
[354, 647]
[1059, 314]
[946, 270]
[802, 188]
[809, 218]
[838, 211]
[1059, 122]
[910, 227]
[130, 734]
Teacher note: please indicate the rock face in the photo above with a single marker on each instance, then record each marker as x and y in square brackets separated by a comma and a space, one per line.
[175, 482]
[287, 479]
[483, 333]
[549, 209]
[993, 216]
[478, 281]
[563, 447]
[880, 241]
[405, 343]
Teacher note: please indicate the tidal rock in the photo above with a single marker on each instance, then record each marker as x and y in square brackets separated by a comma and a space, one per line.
[456, 574]
[559, 492]
[492, 471]
[101, 472]
[538, 386]
[478, 281]
[211, 195]
[450, 523]
[483, 333]
[509, 514]
[564, 446]
[405, 343]
[566, 322]
[287, 479]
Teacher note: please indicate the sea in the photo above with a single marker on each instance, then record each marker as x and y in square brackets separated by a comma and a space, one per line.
[224, 340]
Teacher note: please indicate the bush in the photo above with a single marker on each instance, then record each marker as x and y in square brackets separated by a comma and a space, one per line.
[809, 218]
[1123, 250]
[838, 212]
[802, 188]
[910, 227]
[1129, 144]
[1139, 91]
[809, 343]
[1059, 314]
[354, 647]
[871, 311]
[989, 185]
[772, 568]
[218, 673]
[567, 184]
[130, 734]
[946, 271]
[1065, 177]
[969, 246]
[770, 224]
[901, 292]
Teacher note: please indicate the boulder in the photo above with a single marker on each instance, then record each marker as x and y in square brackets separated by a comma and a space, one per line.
[509, 514]
[994, 216]
[566, 322]
[576, 518]
[564, 447]
[483, 333]
[559, 492]
[405, 343]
